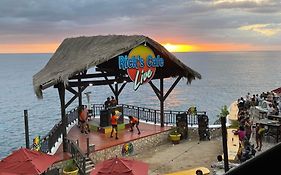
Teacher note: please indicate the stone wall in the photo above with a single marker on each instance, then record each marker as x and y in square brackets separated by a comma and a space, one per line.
[139, 145]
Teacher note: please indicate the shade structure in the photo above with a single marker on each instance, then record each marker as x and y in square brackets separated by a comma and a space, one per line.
[121, 166]
[25, 161]
[277, 91]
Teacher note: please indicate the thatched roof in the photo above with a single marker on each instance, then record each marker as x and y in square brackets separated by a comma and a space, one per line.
[75, 55]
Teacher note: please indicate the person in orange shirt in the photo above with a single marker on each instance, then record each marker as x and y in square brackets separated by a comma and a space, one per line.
[83, 118]
[134, 121]
[114, 118]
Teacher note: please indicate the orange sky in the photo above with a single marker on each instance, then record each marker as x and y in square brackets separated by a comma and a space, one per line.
[51, 47]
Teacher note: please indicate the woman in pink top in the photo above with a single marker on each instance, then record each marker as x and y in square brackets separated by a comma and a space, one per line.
[241, 133]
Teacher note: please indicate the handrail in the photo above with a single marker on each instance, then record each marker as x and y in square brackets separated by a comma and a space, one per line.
[151, 115]
[77, 155]
[49, 140]
[143, 113]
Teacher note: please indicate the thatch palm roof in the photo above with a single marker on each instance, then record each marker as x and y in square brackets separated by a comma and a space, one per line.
[75, 55]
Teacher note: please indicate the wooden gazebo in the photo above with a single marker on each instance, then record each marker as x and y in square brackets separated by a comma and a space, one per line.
[67, 68]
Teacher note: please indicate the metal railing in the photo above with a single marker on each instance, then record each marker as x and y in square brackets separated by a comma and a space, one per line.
[144, 114]
[77, 155]
[49, 140]
[151, 115]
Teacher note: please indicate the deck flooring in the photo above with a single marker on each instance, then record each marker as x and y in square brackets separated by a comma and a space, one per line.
[103, 141]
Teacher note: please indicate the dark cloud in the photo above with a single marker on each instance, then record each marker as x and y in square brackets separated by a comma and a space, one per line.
[41, 21]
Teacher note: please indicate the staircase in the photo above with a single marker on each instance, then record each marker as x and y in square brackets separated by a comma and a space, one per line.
[89, 165]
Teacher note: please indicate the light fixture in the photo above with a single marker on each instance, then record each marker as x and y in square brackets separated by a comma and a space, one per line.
[145, 43]
[124, 81]
[115, 82]
[90, 84]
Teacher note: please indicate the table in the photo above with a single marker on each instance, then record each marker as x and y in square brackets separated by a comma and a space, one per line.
[272, 125]
[274, 117]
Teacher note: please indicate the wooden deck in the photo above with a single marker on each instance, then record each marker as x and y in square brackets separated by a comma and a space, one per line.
[103, 141]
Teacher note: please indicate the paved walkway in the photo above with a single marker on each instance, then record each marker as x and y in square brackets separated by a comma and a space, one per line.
[188, 154]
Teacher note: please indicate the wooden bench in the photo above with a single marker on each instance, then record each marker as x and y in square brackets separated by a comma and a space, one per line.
[192, 171]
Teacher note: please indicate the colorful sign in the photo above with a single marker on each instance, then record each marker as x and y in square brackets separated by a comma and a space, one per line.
[141, 64]
[127, 149]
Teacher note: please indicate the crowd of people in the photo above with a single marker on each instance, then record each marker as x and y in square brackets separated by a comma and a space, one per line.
[248, 130]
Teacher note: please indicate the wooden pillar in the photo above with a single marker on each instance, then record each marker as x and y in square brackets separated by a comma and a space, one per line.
[224, 143]
[27, 145]
[162, 102]
[61, 90]
[116, 92]
[79, 91]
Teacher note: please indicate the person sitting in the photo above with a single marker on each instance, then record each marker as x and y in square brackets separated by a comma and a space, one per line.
[113, 101]
[107, 103]
[199, 172]
[134, 121]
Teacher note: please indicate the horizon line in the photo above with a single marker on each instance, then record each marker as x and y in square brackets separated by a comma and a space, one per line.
[170, 52]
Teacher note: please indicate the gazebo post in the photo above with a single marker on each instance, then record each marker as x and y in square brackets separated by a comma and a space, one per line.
[79, 91]
[162, 102]
[116, 92]
[61, 90]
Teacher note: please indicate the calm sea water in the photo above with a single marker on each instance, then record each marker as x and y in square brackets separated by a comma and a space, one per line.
[226, 76]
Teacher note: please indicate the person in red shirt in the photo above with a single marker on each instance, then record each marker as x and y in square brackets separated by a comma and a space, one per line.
[114, 118]
[134, 121]
[83, 118]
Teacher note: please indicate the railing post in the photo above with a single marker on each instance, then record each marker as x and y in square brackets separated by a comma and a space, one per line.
[26, 129]
[154, 116]
[138, 112]
[94, 110]
[88, 146]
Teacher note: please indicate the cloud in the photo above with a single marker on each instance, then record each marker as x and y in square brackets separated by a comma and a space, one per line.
[177, 21]
[264, 29]
[253, 6]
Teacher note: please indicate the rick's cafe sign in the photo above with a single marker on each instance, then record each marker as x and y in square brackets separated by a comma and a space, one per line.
[141, 64]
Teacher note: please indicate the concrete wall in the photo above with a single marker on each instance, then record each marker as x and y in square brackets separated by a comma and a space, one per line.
[138, 145]
[147, 143]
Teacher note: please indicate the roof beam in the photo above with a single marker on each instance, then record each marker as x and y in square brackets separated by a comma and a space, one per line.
[95, 75]
[98, 82]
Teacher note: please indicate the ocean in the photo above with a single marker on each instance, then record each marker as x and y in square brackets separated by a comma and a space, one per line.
[226, 76]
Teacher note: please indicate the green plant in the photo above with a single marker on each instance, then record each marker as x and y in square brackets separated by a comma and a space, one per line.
[70, 166]
[223, 112]
[234, 124]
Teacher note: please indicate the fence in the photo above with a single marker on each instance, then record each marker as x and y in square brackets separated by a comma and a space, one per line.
[151, 115]
[144, 114]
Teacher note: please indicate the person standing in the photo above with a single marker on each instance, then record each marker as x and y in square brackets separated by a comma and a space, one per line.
[114, 118]
[260, 130]
[83, 117]
[248, 127]
[134, 121]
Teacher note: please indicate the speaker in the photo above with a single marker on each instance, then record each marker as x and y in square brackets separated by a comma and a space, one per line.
[181, 123]
[203, 129]
[105, 117]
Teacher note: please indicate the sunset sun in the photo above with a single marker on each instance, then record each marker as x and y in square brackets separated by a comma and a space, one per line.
[179, 47]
